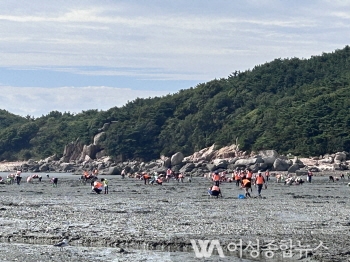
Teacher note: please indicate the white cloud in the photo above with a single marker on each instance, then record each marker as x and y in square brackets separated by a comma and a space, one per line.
[160, 40]
[37, 101]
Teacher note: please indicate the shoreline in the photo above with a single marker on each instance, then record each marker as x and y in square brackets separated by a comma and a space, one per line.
[9, 166]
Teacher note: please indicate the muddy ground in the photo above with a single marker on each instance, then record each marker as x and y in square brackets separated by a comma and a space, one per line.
[135, 222]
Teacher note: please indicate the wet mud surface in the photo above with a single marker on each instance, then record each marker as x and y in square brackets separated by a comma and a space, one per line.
[136, 222]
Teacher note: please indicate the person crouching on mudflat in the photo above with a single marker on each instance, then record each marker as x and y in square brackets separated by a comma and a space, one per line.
[214, 191]
[98, 187]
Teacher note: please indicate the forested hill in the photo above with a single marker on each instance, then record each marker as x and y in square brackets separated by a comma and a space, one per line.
[298, 106]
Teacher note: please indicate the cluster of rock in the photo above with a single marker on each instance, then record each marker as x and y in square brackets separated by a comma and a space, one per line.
[77, 158]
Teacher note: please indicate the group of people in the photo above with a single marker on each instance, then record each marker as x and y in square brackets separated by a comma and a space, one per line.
[159, 179]
[99, 186]
[243, 178]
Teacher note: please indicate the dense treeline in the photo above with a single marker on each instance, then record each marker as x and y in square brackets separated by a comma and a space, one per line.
[298, 106]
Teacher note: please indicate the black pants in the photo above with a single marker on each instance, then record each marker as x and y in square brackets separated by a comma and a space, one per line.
[18, 180]
[217, 183]
[98, 191]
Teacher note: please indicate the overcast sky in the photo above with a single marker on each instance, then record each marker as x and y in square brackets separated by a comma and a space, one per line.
[93, 54]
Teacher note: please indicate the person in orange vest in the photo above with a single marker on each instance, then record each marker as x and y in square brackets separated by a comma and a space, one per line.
[215, 191]
[216, 178]
[146, 178]
[159, 181]
[259, 181]
[237, 178]
[98, 187]
[246, 184]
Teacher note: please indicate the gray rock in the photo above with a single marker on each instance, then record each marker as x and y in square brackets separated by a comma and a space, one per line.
[301, 172]
[167, 162]
[44, 167]
[340, 157]
[99, 138]
[151, 165]
[187, 168]
[66, 166]
[177, 158]
[220, 163]
[293, 168]
[269, 156]
[113, 171]
[280, 165]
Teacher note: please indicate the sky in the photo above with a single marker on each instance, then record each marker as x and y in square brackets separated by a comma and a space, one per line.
[78, 55]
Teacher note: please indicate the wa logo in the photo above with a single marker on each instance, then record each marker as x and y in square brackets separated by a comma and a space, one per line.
[206, 250]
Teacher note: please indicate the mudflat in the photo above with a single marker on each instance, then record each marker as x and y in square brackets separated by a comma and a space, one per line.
[137, 222]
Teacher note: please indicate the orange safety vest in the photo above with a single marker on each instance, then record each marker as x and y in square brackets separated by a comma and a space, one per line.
[98, 185]
[260, 180]
[215, 188]
[216, 177]
[245, 182]
[249, 174]
[237, 177]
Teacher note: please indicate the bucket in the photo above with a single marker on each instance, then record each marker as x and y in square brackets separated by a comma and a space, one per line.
[241, 196]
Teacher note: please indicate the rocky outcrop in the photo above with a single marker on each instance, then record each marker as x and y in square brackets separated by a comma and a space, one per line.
[78, 157]
[90, 151]
[211, 153]
[99, 137]
[72, 151]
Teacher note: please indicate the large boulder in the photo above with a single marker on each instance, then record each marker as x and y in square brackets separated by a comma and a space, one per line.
[206, 154]
[177, 158]
[220, 163]
[167, 162]
[114, 170]
[249, 161]
[90, 150]
[293, 168]
[280, 165]
[340, 157]
[269, 156]
[187, 168]
[227, 152]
